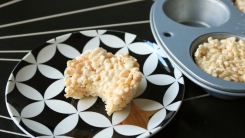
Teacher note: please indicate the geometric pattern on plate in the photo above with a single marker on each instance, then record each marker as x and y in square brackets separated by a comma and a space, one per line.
[40, 109]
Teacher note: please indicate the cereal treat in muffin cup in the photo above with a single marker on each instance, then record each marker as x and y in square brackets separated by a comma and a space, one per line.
[224, 59]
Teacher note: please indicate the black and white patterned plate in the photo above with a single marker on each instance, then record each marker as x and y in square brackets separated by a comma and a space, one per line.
[35, 91]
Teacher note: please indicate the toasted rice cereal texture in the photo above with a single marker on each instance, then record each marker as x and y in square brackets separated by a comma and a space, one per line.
[240, 4]
[224, 59]
[97, 72]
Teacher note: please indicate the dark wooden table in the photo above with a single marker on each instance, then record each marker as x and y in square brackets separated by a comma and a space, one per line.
[25, 24]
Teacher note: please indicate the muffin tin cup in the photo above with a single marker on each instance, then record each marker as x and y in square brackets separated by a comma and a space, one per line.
[179, 26]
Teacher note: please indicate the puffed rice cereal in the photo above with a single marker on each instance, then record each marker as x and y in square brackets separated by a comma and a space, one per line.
[224, 59]
[240, 4]
[97, 72]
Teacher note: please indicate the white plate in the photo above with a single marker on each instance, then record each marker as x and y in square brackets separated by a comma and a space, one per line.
[35, 91]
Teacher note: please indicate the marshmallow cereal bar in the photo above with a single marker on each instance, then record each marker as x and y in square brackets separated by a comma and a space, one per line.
[97, 72]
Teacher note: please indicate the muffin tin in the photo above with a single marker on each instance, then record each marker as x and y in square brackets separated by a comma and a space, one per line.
[179, 26]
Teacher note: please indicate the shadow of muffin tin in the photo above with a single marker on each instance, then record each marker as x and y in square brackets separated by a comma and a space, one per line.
[179, 26]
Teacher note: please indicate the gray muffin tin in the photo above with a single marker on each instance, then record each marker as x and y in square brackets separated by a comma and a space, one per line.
[179, 26]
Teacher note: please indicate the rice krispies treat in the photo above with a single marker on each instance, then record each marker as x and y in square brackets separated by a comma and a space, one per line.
[240, 4]
[97, 72]
[224, 59]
